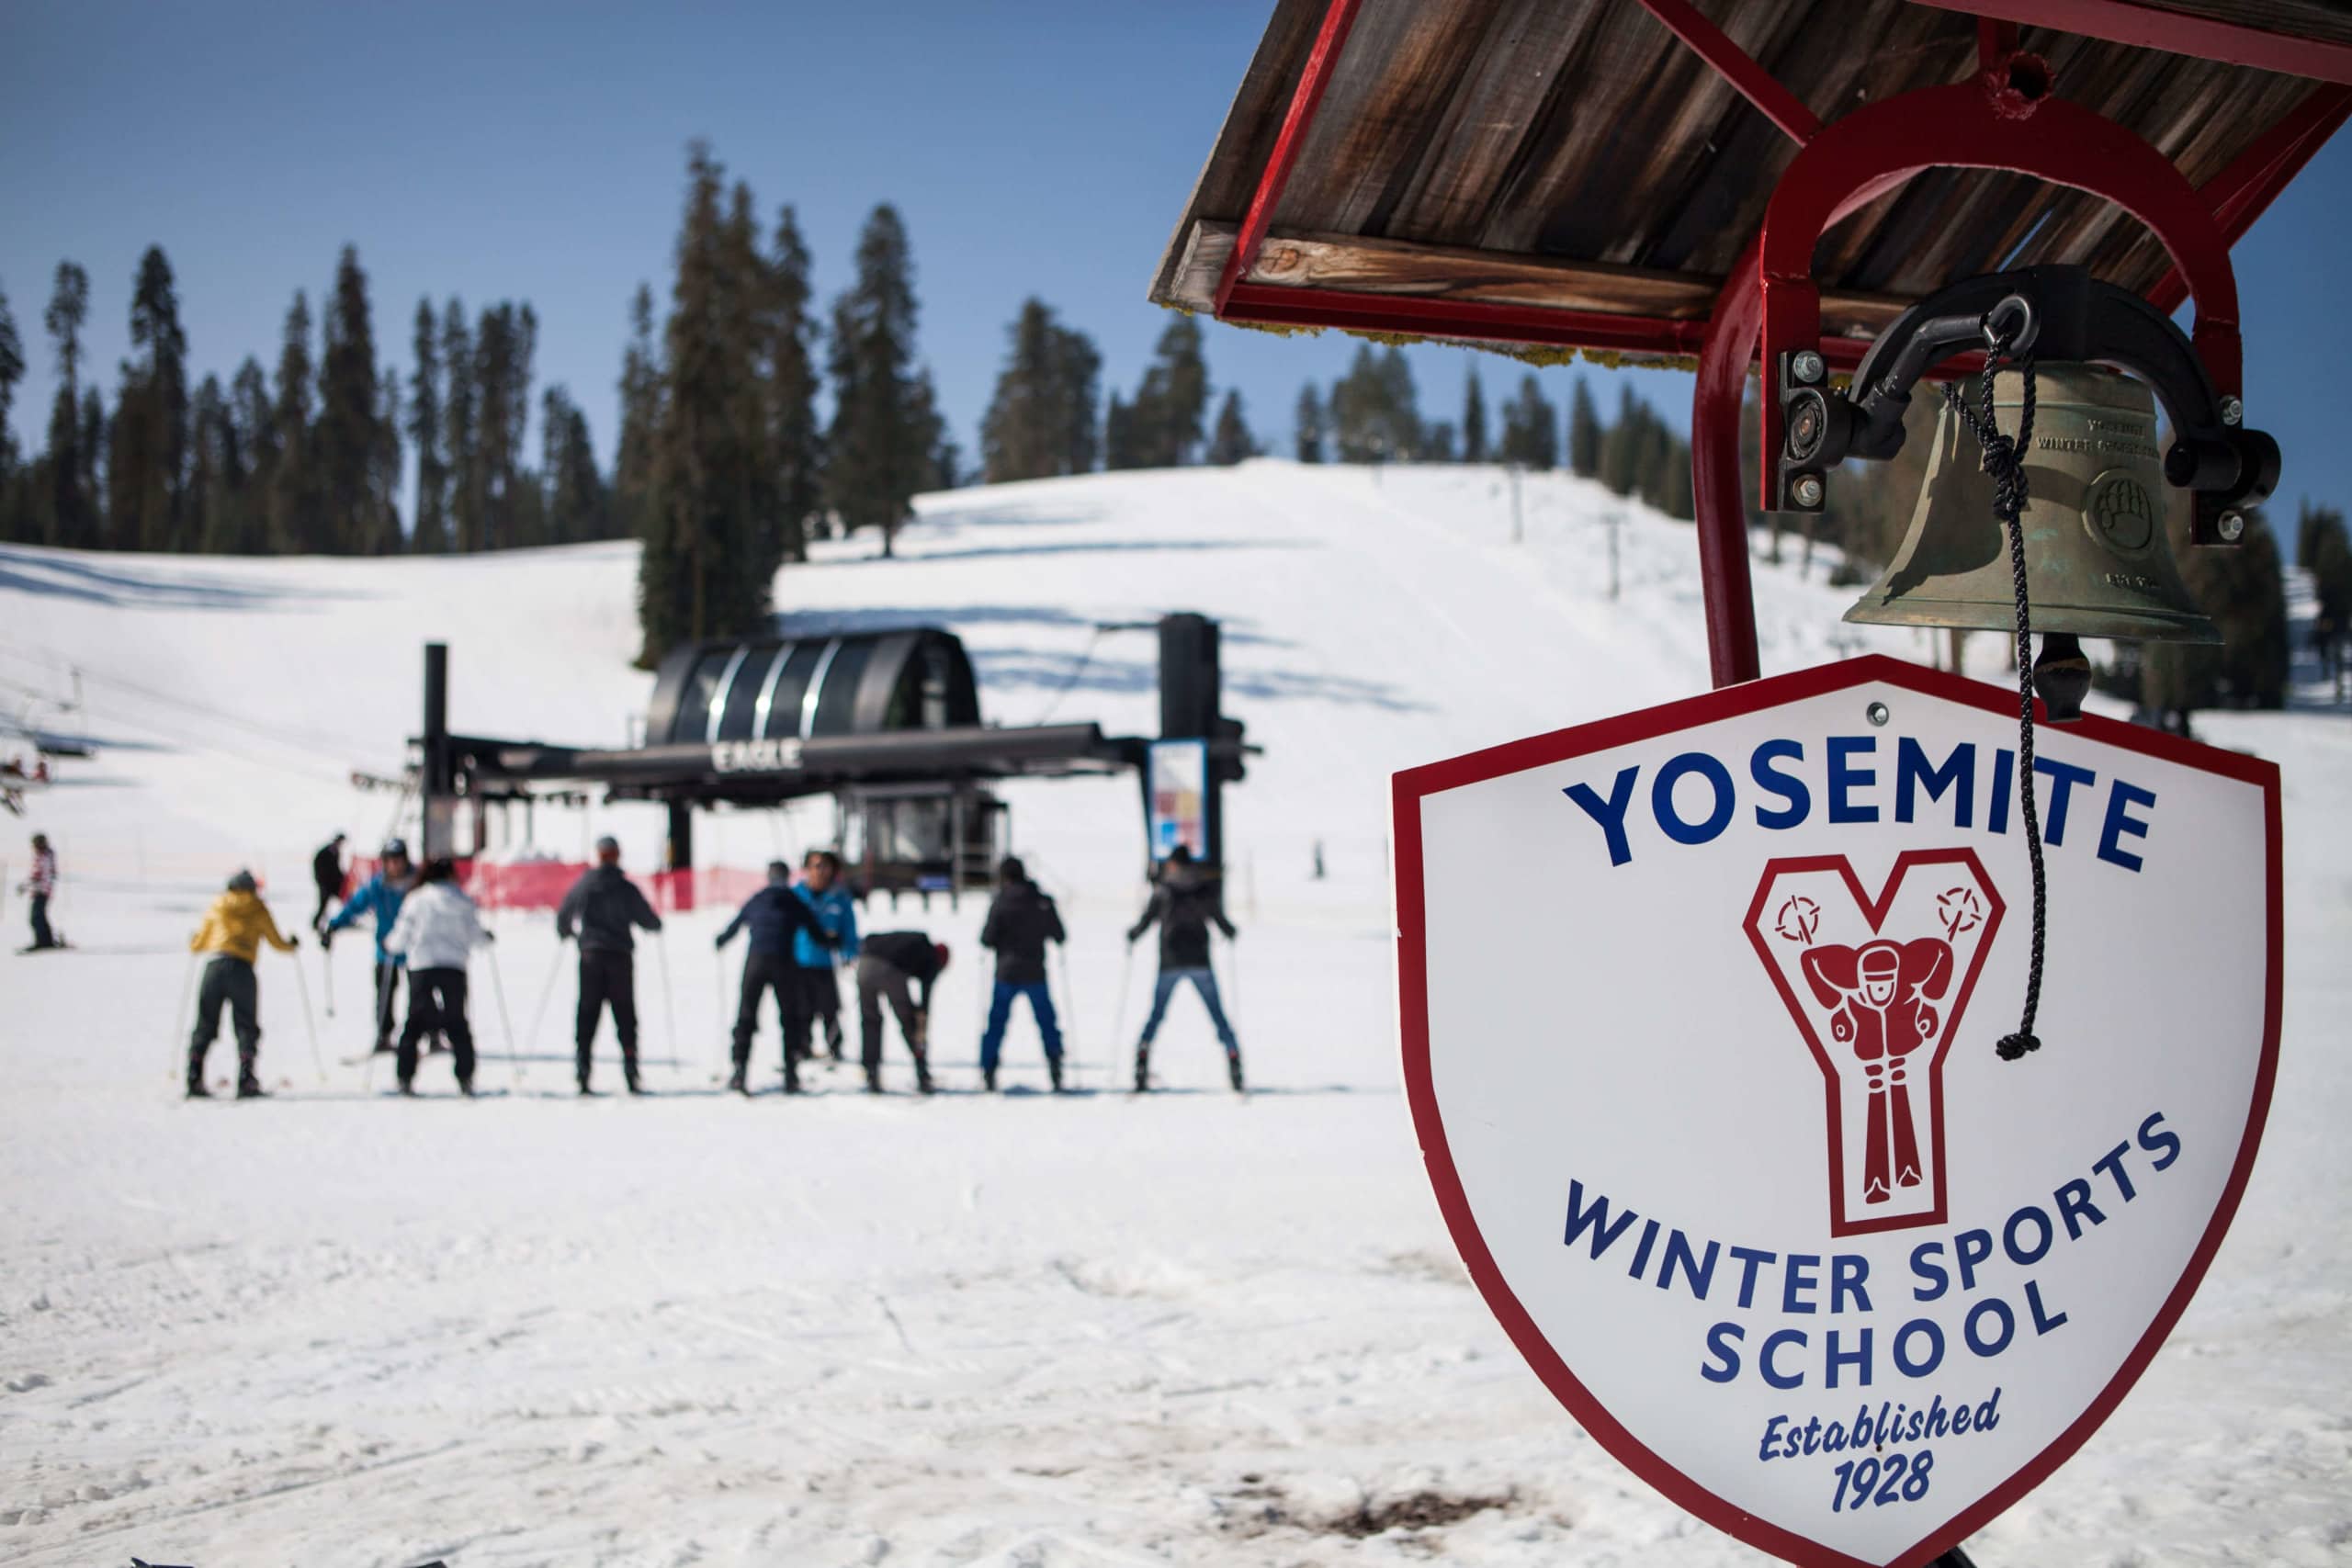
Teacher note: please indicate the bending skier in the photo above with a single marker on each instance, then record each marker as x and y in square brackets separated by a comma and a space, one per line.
[889, 965]
[437, 930]
[778, 919]
[1185, 901]
[233, 929]
[380, 896]
[1020, 921]
[599, 910]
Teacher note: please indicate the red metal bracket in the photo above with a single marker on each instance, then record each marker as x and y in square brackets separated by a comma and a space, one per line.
[1313, 77]
[1874, 149]
[2240, 193]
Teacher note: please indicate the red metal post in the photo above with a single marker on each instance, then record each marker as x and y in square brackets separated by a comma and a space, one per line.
[2174, 32]
[1737, 66]
[1312, 79]
[1875, 149]
[1716, 501]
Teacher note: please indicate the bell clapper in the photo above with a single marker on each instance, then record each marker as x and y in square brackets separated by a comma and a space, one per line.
[2062, 677]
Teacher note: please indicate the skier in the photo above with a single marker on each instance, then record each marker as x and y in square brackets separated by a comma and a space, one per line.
[1022, 920]
[380, 896]
[599, 910]
[889, 963]
[778, 919]
[437, 930]
[41, 884]
[1186, 902]
[819, 888]
[233, 929]
[326, 870]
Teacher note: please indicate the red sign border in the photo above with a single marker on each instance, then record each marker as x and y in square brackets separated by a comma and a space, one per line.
[1874, 911]
[1409, 788]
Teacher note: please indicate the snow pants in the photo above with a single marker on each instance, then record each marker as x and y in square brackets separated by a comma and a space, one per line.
[228, 983]
[766, 973]
[437, 1001]
[42, 935]
[608, 980]
[388, 996]
[879, 980]
[1202, 980]
[1041, 1003]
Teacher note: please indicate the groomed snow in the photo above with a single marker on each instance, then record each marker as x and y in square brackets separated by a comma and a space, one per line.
[1026, 1331]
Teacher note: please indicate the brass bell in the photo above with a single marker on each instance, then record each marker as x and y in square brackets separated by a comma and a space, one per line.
[2097, 561]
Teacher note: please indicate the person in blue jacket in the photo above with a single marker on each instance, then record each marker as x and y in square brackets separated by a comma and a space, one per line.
[380, 896]
[821, 888]
[776, 918]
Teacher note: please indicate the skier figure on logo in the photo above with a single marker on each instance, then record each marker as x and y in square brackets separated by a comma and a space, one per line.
[233, 929]
[1879, 994]
[1185, 901]
[380, 896]
[777, 917]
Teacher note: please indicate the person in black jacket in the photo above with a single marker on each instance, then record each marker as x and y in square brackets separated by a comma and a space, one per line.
[1185, 901]
[775, 916]
[1020, 921]
[598, 912]
[326, 872]
[889, 966]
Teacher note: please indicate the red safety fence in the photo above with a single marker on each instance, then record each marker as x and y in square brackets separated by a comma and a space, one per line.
[541, 883]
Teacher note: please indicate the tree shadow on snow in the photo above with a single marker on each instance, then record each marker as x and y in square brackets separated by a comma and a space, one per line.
[126, 587]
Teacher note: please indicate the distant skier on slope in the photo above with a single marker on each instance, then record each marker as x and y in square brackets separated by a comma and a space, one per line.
[438, 931]
[778, 919]
[233, 929]
[1185, 901]
[380, 896]
[1020, 921]
[40, 886]
[821, 888]
[598, 912]
[326, 872]
[889, 964]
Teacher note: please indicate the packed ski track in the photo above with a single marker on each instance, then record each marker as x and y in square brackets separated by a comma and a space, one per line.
[1094, 1330]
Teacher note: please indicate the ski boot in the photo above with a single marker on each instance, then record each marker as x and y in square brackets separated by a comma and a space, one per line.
[249, 1088]
[873, 1081]
[1143, 1071]
[629, 1075]
[466, 1087]
[987, 1080]
[735, 1081]
[922, 1078]
[791, 1076]
[1233, 1070]
[407, 1090]
[1054, 1071]
[196, 1090]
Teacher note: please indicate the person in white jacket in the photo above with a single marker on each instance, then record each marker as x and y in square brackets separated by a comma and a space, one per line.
[438, 931]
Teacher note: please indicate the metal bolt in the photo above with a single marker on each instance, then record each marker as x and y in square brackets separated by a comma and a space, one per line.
[1876, 713]
[2232, 527]
[1807, 490]
[1807, 367]
[2233, 410]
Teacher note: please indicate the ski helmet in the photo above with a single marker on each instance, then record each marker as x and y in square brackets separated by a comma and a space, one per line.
[242, 883]
[395, 849]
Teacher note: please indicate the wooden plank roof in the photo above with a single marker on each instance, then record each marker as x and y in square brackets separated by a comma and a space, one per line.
[1574, 153]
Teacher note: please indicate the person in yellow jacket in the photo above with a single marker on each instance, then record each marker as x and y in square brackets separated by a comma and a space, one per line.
[233, 929]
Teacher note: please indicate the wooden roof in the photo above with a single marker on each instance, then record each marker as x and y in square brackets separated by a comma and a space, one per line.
[1575, 153]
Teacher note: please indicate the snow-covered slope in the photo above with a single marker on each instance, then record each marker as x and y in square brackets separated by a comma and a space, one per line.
[1019, 1330]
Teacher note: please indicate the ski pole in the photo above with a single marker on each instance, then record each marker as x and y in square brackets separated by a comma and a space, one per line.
[187, 993]
[669, 999]
[309, 1027]
[546, 994]
[719, 993]
[327, 966]
[505, 1019]
[1070, 999]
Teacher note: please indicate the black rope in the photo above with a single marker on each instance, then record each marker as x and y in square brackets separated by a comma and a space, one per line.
[2004, 461]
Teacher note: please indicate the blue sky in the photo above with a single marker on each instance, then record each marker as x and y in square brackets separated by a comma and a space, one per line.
[533, 152]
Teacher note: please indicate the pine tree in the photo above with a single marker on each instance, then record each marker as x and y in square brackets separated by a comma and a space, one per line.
[14, 507]
[1530, 428]
[1621, 445]
[344, 438]
[70, 504]
[2323, 548]
[293, 488]
[1231, 442]
[1120, 448]
[633, 497]
[505, 338]
[254, 420]
[384, 468]
[796, 443]
[461, 436]
[1438, 444]
[884, 445]
[1307, 424]
[1474, 420]
[2243, 589]
[1040, 421]
[1375, 418]
[92, 451]
[576, 504]
[1164, 420]
[147, 479]
[1584, 433]
[431, 534]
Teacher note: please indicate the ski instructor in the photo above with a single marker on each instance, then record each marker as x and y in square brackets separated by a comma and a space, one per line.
[598, 911]
[380, 896]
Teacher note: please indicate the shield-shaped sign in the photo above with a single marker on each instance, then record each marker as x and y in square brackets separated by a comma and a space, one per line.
[1699, 1010]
